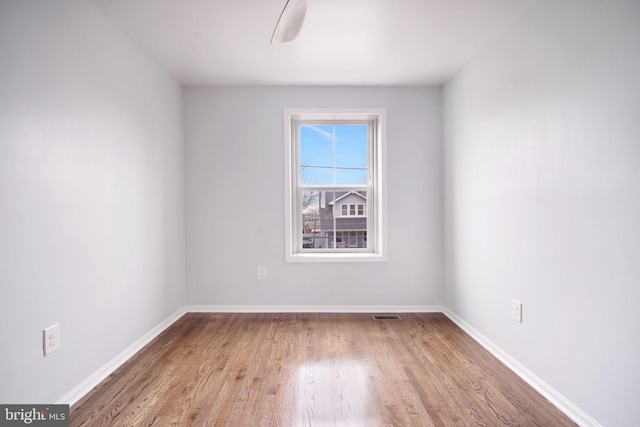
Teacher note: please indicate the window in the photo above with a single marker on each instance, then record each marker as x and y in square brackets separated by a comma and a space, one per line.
[352, 210]
[335, 185]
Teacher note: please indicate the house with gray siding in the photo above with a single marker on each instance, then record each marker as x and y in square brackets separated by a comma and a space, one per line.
[343, 219]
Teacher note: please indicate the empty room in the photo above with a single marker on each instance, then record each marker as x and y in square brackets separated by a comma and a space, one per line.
[320, 212]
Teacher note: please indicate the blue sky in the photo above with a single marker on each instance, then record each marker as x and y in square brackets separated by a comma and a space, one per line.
[316, 154]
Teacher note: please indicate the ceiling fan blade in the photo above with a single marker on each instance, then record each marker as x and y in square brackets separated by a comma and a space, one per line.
[290, 21]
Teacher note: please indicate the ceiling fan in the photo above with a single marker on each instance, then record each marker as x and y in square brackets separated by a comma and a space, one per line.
[290, 21]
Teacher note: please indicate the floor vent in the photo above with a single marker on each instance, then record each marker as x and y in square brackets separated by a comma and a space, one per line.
[386, 317]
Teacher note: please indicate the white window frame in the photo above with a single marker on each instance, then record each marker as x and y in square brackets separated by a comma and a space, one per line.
[376, 208]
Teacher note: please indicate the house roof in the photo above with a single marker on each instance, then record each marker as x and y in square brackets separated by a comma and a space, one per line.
[346, 195]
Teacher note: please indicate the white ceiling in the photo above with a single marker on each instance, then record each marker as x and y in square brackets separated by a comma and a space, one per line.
[355, 42]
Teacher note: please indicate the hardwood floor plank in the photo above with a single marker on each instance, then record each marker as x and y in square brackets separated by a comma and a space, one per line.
[314, 370]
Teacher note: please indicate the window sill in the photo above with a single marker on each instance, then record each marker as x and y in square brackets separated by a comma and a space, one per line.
[339, 257]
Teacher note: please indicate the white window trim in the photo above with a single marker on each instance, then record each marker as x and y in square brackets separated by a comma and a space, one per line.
[379, 224]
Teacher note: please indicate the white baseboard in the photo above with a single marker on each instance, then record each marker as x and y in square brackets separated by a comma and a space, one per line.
[568, 408]
[315, 309]
[87, 385]
[94, 379]
[543, 388]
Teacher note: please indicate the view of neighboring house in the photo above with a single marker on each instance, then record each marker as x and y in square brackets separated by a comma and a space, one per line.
[339, 221]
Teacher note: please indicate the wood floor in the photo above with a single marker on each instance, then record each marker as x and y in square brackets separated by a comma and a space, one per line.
[314, 370]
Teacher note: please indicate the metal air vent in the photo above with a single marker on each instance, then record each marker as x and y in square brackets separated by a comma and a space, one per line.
[386, 317]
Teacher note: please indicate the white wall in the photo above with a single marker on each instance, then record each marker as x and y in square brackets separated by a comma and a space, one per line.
[542, 165]
[91, 195]
[235, 200]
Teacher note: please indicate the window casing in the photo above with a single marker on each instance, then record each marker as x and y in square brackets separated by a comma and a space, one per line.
[335, 208]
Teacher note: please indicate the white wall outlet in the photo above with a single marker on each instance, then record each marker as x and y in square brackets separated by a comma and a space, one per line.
[516, 310]
[51, 339]
[262, 273]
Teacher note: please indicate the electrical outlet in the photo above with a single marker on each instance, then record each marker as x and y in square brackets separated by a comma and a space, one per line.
[516, 310]
[51, 339]
[262, 273]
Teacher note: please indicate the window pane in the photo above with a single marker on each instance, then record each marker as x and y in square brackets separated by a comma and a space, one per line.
[352, 154]
[310, 209]
[334, 154]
